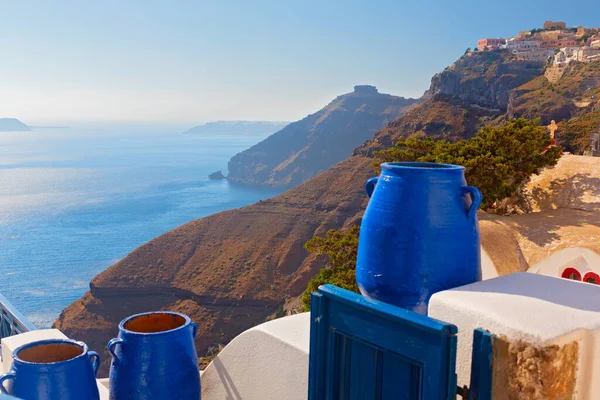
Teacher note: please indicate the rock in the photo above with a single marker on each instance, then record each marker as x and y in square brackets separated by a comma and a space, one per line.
[216, 176]
[310, 146]
[485, 78]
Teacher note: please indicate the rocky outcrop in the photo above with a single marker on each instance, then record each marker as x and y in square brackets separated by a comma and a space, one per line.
[484, 78]
[574, 93]
[12, 125]
[216, 176]
[307, 147]
[573, 183]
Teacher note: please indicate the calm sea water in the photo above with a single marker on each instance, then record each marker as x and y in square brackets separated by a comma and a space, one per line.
[74, 201]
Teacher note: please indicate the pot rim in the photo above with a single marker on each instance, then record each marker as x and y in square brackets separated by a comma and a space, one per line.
[82, 345]
[417, 165]
[122, 328]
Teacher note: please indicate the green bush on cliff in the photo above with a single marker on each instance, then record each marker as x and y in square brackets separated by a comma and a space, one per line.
[341, 249]
[497, 160]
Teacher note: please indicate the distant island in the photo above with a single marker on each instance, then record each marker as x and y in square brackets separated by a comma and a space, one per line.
[12, 125]
[238, 128]
[48, 127]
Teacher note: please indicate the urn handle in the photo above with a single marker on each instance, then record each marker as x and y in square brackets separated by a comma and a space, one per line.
[194, 329]
[370, 186]
[96, 360]
[477, 197]
[8, 375]
[111, 347]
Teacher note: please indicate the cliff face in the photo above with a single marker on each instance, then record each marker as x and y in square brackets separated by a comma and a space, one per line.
[307, 147]
[231, 270]
[575, 93]
[484, 79]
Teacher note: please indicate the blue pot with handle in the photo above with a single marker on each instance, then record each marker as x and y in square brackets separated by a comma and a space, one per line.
[53, 369]
[154, 357]
[419, 234]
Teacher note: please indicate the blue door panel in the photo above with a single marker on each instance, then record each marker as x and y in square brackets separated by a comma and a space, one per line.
[363, 349]
[397, 371]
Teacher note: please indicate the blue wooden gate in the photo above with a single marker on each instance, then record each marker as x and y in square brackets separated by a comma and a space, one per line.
[363, 349]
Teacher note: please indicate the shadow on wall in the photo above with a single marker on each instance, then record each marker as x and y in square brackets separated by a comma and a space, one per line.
[228, 384]
[543, 228]
[580, 191]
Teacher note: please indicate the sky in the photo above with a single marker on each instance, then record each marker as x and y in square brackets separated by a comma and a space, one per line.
[195, 61]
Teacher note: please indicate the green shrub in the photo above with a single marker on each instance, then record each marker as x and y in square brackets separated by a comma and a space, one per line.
[497, 160]
[341, 249]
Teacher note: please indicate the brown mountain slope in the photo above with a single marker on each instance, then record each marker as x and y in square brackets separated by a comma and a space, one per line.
[228, 271]
[576, 92]
[307, 147]
[231, 270]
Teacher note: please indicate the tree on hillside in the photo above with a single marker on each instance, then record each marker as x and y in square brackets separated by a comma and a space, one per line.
[341, 249]
[497, 160]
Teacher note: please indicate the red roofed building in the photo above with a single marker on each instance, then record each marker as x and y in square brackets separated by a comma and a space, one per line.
[491, 44]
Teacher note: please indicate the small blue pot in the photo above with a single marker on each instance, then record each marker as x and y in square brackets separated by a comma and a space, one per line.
[419, 234]
[155, 357]
[54, 369]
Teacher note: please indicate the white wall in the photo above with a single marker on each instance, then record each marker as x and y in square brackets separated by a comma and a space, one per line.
[267, 362]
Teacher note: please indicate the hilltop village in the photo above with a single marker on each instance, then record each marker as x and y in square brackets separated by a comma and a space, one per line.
[555, 43]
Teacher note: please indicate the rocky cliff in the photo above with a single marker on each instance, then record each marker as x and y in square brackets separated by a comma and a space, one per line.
[576, 92]
[231, 270]
[317, 142]
[484, 79]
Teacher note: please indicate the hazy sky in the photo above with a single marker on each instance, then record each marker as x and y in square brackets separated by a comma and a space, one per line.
[192, 61]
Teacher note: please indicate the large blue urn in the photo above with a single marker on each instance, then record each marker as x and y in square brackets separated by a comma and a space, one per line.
[154, 357]
[419, 234]
[53, 369]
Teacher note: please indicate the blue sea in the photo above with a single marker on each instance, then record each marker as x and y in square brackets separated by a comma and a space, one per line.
[74, 201]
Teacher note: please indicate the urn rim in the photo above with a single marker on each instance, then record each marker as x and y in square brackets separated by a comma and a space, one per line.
[20, 361]
[423, 166]
[124, 322]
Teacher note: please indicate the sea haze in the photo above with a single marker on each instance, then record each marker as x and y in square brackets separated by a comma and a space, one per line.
[74, 201]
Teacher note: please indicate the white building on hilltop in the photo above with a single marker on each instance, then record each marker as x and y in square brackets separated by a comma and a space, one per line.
[565, 55]
[522, 44]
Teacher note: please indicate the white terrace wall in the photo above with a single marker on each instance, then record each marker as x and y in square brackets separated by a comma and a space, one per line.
[267, 362]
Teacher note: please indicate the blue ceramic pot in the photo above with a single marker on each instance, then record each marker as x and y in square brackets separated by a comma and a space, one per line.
[154, 357]
[419, 234]
[54, 369]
